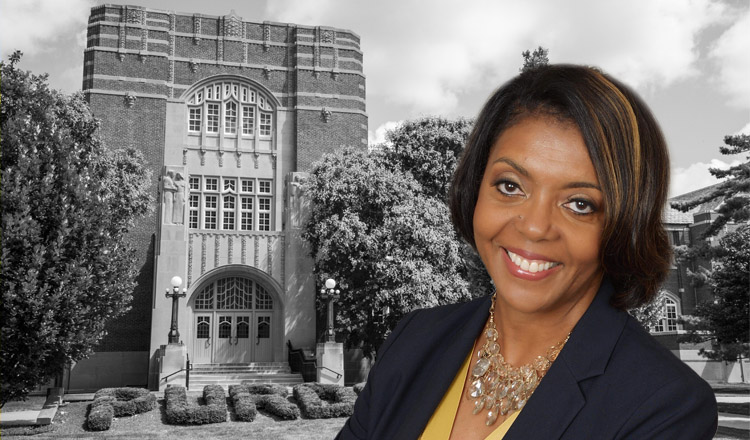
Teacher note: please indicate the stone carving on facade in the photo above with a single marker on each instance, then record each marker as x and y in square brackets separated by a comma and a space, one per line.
[325, 114]
[233, 25]
[221, 159]
[184, 156]
[168, 192]
[121, 42]
[326, 37]
[238, 156]
[266, 36]
[130, 99]
[193, 66]
[267, 72]
[178, 208]
[257, 158]
[135, 15]
[298, 203]
[196, 28]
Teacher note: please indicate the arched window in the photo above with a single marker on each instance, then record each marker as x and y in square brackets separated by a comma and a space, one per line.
[668, 321]
[229, 107]
[233, 293]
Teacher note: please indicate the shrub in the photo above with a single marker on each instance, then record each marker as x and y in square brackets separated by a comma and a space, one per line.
[180, 412]
[118, 402]
[322, 401]
[249, 398]
[101, 414]
[278, 406]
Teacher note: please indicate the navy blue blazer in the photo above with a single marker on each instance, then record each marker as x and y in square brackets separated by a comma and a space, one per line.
[612, 380]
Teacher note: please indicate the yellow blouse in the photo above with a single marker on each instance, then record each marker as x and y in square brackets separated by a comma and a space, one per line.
[441, 423]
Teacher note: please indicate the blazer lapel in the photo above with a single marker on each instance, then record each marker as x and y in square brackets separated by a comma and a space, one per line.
[441, 369]
[558, 399]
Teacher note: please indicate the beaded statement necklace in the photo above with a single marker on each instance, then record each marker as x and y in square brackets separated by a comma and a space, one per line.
[496, 386]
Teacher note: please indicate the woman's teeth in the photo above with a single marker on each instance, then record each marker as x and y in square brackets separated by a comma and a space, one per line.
[532, 266]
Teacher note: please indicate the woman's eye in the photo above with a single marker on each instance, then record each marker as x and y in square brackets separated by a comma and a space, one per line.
[509, 188]
[580, 207]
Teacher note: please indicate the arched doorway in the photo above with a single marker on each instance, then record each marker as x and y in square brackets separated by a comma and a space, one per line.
[235, 320]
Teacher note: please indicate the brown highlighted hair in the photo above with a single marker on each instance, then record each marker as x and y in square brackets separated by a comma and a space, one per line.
[629, 155]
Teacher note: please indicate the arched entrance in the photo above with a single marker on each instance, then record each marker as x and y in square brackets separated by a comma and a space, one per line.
[235, 319]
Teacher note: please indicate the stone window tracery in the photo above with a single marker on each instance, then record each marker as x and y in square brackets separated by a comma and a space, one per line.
[232, 108]
[233, 293]
[238, 204]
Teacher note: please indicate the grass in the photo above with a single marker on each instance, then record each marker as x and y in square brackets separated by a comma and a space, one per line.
[70, 422]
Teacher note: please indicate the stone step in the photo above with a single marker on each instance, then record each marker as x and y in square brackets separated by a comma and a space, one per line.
[289, 380]
[240, 376]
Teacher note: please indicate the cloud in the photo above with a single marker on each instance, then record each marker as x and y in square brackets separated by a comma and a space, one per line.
[696, 176]
[731, 52]
[378, 136]
[425, 58]
[35, 26]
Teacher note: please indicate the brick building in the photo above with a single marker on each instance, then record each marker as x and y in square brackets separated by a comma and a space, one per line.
[682, 295]
[229, 115]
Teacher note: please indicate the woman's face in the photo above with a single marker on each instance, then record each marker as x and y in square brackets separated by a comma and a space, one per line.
[539, 217]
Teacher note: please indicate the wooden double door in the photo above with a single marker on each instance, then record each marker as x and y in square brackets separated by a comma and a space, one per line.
[232, 337]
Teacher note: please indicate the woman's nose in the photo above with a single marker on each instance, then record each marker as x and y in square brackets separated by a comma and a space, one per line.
[535, 220]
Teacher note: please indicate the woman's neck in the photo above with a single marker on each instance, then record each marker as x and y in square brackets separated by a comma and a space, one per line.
[524, 336]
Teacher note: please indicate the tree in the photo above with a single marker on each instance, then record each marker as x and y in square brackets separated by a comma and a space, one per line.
[725, 320]
[428, 148]
[67, 204]
[391, 248]
[735, 191]
[534, 60]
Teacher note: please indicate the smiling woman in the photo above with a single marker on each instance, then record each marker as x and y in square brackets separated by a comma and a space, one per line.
[560, 189]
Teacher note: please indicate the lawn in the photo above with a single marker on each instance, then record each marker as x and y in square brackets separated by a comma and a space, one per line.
[70, 422]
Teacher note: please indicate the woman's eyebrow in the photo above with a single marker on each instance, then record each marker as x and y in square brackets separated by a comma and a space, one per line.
[516, 166]
[513, 164]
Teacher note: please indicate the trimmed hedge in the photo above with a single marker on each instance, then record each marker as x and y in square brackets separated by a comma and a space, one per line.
[248, 399]
[118, 402]
[180, 412]
[323, 401]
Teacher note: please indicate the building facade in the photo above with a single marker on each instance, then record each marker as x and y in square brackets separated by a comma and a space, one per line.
[682, 294]
[229, 115]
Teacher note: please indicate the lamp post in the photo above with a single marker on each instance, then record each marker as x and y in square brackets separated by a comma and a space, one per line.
[175, 294]
[330, 293]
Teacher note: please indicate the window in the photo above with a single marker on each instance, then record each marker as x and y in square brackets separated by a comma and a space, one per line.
[264, 186]
[230, 203]
[232, 105]
[210, 217]
[204, 327]
[230, 117]
[194, 215]
[264, 214]
[212, 118]
[265, 124]
[233, 293]
[227, 213]
[212, 184]
[246, 214]
[194, 121]
[248, 119]
[668, 322]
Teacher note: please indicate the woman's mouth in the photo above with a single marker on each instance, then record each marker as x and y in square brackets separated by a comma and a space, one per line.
[531, 269]
[532, 266]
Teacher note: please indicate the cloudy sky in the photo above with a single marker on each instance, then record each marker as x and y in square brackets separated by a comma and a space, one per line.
[687, 58]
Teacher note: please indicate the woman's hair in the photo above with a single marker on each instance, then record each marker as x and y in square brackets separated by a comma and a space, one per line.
[629, 155]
